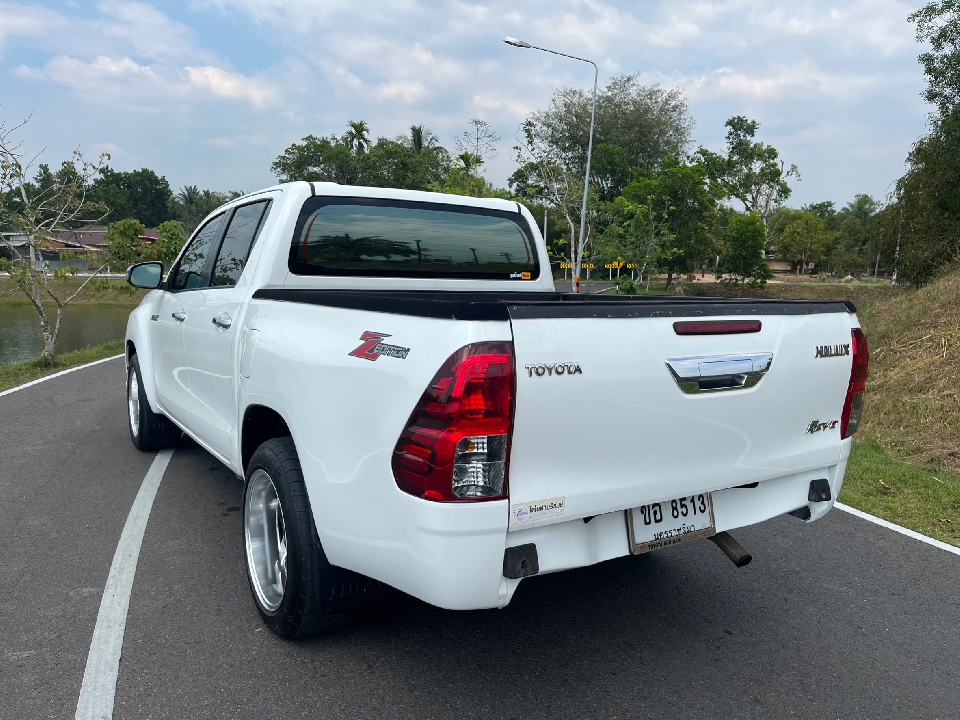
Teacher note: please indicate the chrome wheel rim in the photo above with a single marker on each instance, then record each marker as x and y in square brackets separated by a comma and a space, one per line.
[133, 402]
[266, 541]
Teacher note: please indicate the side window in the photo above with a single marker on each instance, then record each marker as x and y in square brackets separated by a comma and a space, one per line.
[190, 272]
[237, 241]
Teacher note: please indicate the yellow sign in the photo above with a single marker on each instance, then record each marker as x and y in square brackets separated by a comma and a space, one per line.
[589, 266]
[631, 266]
[565, 266]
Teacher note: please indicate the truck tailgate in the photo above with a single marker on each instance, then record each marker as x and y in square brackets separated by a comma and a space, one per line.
[613, 428]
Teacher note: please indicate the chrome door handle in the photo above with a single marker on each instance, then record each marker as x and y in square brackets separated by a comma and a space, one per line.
[719, 372]
[223, 321]
[179, 316]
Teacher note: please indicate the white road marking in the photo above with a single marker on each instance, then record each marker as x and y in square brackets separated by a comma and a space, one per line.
[56, 375]
[103, 660]
[896, 528]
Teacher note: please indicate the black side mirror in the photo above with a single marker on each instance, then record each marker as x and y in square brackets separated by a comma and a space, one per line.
[146, 275]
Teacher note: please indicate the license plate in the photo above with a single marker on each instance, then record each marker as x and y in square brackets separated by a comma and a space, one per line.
[662, 524]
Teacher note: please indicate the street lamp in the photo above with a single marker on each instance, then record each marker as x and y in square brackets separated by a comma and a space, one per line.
[578, 258]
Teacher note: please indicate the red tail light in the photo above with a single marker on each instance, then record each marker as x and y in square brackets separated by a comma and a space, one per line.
[456, 443]
[716, 327]
[853, 406]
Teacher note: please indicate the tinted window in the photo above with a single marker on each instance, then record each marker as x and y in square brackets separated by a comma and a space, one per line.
[237, 241]
[190, 271]
[390, 238]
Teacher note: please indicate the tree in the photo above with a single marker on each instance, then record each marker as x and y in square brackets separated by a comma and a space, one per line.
[742, 251]
[938, 23]
[543, 177]
[140, 194]
[804, 240]
[53, 203]
[480, 142]
[751, 172]
[323, 159]
[416, 162]
[646, 122]
[679, 192]
[420, 139]
[191, 205]
[125, 246]
[357, 137]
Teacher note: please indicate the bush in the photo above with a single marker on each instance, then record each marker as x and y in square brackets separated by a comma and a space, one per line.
[626, 285]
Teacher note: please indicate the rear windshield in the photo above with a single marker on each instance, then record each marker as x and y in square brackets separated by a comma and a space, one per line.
[396, 238]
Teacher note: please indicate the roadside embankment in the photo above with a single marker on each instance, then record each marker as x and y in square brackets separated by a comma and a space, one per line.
[13, 375]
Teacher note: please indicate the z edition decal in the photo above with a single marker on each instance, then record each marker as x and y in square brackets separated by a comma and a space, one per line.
[372, 348]
[825, 351]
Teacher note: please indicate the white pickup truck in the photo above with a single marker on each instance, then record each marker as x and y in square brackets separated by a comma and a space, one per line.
[414, 406]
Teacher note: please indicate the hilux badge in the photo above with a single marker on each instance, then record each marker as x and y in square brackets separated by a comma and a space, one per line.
[372, 348]
[827, 351]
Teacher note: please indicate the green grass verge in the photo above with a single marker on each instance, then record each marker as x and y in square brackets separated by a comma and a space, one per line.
[915, 497]
[13, 375]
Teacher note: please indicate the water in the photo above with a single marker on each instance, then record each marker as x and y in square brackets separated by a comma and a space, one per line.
[83, 325]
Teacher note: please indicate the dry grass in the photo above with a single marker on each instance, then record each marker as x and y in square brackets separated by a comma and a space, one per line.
[913, 397]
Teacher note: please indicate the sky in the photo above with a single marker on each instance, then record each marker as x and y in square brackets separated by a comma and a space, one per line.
[209, 92]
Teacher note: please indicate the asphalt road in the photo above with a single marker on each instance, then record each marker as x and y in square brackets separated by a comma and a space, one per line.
[840, 619]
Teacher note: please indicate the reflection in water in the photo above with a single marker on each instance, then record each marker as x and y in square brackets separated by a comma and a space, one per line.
[83, 325]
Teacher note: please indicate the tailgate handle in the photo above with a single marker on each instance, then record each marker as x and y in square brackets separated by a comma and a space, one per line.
[719, 372]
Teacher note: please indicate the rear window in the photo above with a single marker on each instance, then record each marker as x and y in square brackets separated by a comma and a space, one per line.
[395, 238]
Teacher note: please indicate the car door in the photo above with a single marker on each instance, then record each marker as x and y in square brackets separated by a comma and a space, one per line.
[211, 332]
[171, 378]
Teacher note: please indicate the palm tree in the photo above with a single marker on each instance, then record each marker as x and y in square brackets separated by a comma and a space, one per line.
[188, 195]
[469, 162]
[416, 138]
[358, 136]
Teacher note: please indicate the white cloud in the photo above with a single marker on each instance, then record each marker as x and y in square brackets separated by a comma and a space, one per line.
[802, 80]
[109, 79]
[150, 32]
[232, 142]
[27, 21]
[222, 83]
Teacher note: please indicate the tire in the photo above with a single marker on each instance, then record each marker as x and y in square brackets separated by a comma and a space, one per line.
[297, 591]
[149, 431]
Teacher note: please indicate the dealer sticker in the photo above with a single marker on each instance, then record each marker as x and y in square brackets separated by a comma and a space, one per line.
[527, 513]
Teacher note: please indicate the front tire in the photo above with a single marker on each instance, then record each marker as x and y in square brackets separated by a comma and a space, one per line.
[149, 431]
[295, 588]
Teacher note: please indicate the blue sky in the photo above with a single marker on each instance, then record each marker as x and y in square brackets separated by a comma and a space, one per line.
[209, 92]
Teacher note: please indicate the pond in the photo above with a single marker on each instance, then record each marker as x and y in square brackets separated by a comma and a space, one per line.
[83, 325]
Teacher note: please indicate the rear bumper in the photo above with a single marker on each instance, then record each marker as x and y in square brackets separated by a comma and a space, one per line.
[452, 556]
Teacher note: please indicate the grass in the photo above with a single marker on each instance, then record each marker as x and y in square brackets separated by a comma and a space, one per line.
[13, 375]
[117, 292]
[904, 493]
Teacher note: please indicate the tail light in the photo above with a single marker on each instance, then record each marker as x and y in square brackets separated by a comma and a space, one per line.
[853, 406]
[455, 445]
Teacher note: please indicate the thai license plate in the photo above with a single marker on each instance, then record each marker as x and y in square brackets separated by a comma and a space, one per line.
[662, 524]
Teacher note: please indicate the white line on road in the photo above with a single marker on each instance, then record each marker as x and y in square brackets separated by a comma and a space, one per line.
[896, 528]
[56, 375]
[103, 660]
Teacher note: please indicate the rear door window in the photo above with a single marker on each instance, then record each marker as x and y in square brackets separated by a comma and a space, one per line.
[237, 241]
[189, 274]
[394, 238]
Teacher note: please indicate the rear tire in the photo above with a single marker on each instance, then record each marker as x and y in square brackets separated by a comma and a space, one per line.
[295, 588]
[149, 431]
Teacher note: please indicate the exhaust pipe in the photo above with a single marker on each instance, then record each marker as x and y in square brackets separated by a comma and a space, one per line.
[732, 549]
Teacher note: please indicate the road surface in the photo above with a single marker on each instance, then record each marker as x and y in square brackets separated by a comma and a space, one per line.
[839, 619]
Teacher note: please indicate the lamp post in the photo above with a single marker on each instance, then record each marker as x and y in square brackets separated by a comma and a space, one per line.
[578, 256]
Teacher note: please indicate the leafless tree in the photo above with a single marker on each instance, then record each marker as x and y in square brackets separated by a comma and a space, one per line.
[39, 212]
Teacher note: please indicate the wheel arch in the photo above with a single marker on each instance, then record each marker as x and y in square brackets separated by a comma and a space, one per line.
[260, 423]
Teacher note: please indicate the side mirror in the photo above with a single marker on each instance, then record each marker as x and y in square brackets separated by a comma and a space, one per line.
[147, 275]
